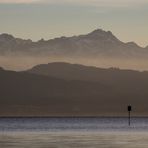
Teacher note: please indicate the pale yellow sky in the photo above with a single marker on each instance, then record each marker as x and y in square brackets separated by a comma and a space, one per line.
[36, 19]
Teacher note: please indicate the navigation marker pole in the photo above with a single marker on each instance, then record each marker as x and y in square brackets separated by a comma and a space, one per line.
[129, 108]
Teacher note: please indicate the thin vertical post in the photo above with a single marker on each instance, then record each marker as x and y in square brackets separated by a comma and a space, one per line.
[129, 118]
[129, 108]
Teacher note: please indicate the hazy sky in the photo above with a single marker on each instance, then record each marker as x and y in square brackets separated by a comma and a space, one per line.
[35, 19]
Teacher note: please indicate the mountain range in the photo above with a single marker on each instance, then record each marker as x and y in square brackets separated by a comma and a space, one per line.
[64, 89]
[98, 43]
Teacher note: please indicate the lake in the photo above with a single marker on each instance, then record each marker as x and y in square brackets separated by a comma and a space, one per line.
[73, 133]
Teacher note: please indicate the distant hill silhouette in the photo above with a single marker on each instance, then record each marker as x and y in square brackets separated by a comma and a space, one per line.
[69, 71]
[72, 90]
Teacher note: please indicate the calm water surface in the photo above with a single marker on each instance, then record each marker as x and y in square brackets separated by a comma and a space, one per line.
[73, 133]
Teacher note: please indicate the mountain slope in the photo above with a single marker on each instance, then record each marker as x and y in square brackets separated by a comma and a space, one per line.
[24, 94]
